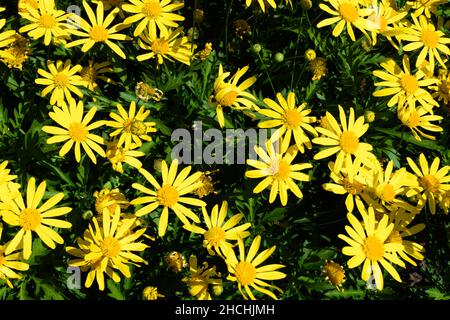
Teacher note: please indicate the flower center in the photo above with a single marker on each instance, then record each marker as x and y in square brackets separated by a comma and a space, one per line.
[98, 34]
[430, 183]
[110, 247]
[47, 21]
[2, 259]
[395, 237]
[167, 196]
[138, 128]
[152, 9]
[382, 23]
[77, 132]
[430, 38]
[283, 170]
[215, 235]
[349, 142]
[245, 273]
[116, 154]
[444, 87]
[160, 46]
[348, 11]
[228, 99]
[386, 192]
[89, 74]
[413, 120]
[409, 83]
[293, 118]
[61, 80]
[29, 219]
[374, 248]
[354, 187]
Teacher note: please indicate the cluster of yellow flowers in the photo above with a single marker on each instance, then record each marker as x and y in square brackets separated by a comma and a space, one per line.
[29, 216]
[406, 88]
[171, 195]
[107, 246]
[387, 200]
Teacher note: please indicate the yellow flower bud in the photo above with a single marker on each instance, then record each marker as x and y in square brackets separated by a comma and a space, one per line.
[369, 116]
[306, 4]
[310, 54]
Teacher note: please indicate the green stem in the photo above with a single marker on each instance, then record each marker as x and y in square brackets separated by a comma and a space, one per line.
[295, 61]
[227, 19]
[267, 73]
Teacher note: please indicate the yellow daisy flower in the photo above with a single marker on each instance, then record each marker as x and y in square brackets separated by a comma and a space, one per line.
[218, 231]
[443, 87]
[8, 188]
[278, 172]
[387, 185]
[203, 54]
[248, 272]
[344, 139]
[403, 86]
[145, 92]
[99, 31]
[176, 261]
[171, 194]
[62, 80]
[200, 278]
[262, 4]
[170, 47]
[2, 9]
[230, 94]
[151, 293]
[350, 181]
[206, 186]
[108, 247]
[154, 14]
[17, 52]
[424, 35]
[290, 121]
[346, 13]
[417, 120]
[10, 263]
[75, 130]
[433, 182]
[95, 71]
[318, 67]
[118, 155]
[23, 5]
[444, 202]
[32, 218]
[47, 22]
[334, 274]
[426, 7]
[401, 219]
[369, 245]
[6, 37]
[110, 199]
[131, 126]
[385, 19]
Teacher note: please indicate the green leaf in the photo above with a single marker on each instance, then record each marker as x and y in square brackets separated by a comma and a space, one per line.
[115, 291]
[427, 144]
[59, 173]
